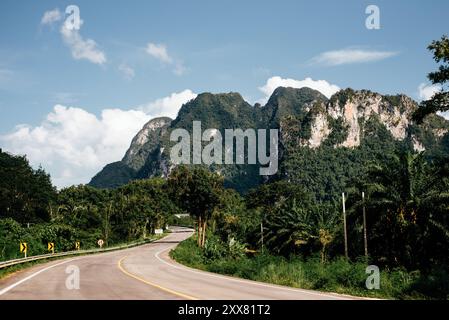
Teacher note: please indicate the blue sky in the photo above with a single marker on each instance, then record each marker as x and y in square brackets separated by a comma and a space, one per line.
[132, 54]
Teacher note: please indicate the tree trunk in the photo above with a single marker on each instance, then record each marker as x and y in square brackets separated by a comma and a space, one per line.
[199, 231]
[203, 240]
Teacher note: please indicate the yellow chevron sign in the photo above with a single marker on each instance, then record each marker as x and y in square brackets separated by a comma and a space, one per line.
[77, 245]
[23, 247]
[51, 247]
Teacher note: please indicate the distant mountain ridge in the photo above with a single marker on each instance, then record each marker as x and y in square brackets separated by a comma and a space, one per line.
[307, 121]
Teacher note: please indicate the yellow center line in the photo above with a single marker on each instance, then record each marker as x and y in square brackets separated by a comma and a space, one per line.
[185, 296]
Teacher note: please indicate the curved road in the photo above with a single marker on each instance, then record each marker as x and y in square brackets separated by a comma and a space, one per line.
[144, 272]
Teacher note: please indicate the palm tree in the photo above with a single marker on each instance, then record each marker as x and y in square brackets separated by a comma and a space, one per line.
[405, 204]
[289, 227]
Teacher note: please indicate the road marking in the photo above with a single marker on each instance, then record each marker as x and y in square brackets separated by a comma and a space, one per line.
[5, 290]
[249, 282]
[119, 264]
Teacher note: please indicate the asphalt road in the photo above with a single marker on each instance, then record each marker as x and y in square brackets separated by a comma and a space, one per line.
[144, 272]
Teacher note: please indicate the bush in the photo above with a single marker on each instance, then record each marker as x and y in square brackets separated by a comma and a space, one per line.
[338, 275]
[214, 248]
[189, 253]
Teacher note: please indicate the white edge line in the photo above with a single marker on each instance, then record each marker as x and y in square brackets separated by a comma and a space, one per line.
[250, 282]
[5, 290]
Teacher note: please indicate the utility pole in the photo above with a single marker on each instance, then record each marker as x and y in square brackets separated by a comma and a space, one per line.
[261, 234]
[365, 239]
[344, 226]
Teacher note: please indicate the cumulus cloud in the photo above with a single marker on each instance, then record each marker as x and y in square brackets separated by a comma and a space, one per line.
[350, 56]
[127, 71]
[81, 48]
[168, 106]
[73, 144]
[160, 52]
[321, 85]
[427, 91]
[51, 17]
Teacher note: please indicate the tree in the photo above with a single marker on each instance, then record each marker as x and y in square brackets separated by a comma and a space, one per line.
[407, 205]
[267, 195]
[197, 191]
[440, 101]
[25, 193]
[289, 227]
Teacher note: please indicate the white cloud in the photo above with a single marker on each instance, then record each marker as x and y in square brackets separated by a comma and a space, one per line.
[127, 71]
[51, 17]
[349, 56]
[168, 106]
[425, 92]
[321, 85]
[81, 48]
[160, 52]
[73, 144]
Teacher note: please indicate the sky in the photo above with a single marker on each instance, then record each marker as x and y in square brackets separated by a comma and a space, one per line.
[71, 99]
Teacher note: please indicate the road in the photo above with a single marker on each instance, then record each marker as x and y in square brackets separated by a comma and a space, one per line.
[144, 272]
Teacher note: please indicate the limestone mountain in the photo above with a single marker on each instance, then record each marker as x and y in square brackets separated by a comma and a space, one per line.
[322, 141]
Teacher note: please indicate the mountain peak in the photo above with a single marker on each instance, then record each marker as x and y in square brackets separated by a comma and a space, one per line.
[145, 141]
[216, 110]
[287, 96]
[285, 101]
[302, 92]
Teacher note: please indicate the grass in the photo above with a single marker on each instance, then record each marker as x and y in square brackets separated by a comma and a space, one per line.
[4, 272]
[339, 275]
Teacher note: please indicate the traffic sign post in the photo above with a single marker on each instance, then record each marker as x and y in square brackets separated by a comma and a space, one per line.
[24, 248]
[51, 247]
[77, 245]
[100, 243]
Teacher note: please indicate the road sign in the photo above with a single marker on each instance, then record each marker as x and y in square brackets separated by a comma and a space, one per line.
[51, 247]
[100, 243]
[158, 231]
[77, 245]
[24, 248]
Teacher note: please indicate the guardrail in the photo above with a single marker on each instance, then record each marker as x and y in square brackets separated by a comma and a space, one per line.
[9, 263]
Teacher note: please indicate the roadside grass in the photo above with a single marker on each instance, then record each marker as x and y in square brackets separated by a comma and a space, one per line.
[8, 271]
[338, 276]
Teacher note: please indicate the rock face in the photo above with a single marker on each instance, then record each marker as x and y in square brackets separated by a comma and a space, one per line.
[356, 107]
[320, 130]
[145, 142]
[304, 117]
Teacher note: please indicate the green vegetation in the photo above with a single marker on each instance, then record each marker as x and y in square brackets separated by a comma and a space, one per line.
[284, 233]
[440, 101]
[198, 192]
[338, 275]
[32, 211]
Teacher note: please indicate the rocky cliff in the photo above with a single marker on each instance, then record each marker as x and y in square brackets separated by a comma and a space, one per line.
[307, 120]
